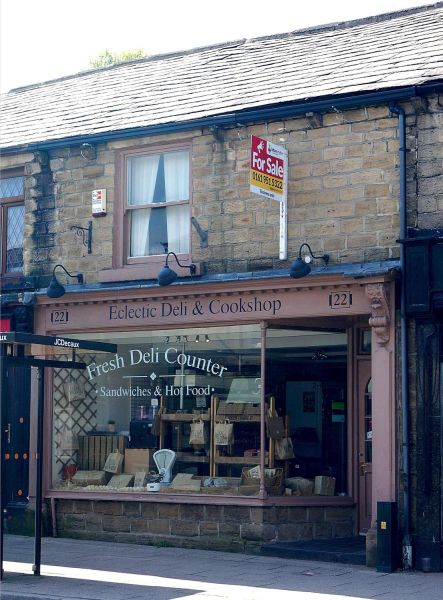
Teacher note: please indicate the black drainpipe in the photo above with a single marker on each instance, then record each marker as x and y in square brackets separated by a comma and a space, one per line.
[407, 540]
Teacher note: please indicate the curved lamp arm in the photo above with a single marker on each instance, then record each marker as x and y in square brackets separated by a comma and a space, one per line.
[79, 276]
[325, 257]
[191, 267]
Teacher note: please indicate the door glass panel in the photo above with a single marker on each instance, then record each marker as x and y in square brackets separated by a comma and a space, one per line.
[368, 422]
[18, 514]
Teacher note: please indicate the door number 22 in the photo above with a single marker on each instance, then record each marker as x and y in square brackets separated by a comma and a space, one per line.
[340, 300]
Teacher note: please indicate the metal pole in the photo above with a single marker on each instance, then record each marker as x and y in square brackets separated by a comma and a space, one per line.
[407, 538]
[262, 493]
[39, 482]
[2, 453]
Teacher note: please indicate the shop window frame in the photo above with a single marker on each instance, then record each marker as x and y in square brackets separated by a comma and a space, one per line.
[176, 497]
[144, 266]
[6, 203]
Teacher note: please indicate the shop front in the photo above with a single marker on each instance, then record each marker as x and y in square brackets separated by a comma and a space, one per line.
[233, 413]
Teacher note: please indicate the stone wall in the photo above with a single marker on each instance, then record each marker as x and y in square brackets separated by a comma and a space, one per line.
[343, 195]
[233, 528]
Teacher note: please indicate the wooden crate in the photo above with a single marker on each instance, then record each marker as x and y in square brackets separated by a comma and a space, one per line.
[94, 449]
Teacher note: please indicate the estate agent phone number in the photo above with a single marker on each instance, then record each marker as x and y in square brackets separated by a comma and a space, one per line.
[267, 180]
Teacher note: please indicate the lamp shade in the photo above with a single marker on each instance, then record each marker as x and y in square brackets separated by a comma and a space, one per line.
[166, 276]
[299, 269]
[55, 289]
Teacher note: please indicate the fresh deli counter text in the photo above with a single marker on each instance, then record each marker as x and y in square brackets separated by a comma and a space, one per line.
[178, 411]
[170, 356]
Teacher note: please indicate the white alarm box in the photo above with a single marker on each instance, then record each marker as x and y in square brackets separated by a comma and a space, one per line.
[98, 203]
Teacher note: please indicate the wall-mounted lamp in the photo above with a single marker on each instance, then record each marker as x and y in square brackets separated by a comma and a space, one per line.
[167, 339]
[55, 289]
[81, 231]
[88, 151]
[206, 338]
[185, 339]
[167, 276]
[300, 268]
[197, 339]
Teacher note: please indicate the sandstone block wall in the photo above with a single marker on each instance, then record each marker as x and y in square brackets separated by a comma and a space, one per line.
[343, 195]
[233, 528]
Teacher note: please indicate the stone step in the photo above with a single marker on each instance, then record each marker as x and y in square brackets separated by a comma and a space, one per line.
[350, 551]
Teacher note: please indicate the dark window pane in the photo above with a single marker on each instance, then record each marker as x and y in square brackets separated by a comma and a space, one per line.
[14, 239]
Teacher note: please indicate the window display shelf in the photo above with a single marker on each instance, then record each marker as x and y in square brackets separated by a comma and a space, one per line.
[191, 458]
[237, 418]
[186, 417]
[238, 460]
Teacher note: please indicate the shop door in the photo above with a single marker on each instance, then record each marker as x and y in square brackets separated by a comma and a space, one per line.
[365, 445]
[16, 434]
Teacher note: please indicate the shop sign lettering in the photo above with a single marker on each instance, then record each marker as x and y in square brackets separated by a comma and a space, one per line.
[168, 391]
[66, 343]
[172, 356]
[217, 306]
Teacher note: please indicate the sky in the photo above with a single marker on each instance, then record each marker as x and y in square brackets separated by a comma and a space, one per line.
[47, 39]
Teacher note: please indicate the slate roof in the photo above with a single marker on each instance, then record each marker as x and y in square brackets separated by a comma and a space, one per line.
[390, 51]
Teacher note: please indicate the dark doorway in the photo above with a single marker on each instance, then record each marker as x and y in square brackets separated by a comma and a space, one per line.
[16, 418]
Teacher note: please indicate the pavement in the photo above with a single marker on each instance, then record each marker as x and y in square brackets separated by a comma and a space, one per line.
[89, 570]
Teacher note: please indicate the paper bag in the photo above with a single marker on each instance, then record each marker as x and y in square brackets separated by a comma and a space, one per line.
[198, 433]
[223, 434]
[275, 427]
[69, 441]
[284, 449]
[114, 463]
[75, 390]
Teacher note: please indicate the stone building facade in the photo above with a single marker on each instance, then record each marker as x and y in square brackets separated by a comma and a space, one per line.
[346, 162]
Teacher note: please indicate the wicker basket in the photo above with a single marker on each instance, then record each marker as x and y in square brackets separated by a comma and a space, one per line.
[273, 484]
[252, 409]
[234, 408]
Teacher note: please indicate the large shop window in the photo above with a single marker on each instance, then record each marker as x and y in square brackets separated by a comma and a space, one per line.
[196, 393]
[12, 221]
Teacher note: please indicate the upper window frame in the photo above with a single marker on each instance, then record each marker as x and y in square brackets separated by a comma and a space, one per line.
[121, 227]
[6, 203]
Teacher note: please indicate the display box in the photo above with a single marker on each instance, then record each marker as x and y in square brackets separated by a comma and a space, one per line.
[84, 478]
[138, 460]
[121, 481]
[324, 486]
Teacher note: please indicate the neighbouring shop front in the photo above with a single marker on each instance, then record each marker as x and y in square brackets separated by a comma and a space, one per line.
[197, 367]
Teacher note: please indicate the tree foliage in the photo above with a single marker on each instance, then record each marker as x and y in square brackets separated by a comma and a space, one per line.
[107, 58]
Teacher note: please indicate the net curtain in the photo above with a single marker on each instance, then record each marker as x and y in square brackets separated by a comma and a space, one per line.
[142, 178]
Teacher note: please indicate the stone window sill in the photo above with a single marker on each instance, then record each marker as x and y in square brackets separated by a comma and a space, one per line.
[175, 498]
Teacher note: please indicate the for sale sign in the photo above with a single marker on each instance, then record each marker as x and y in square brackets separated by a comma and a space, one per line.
[268, 169]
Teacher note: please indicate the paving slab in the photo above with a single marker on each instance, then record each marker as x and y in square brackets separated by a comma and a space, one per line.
[88, 570]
